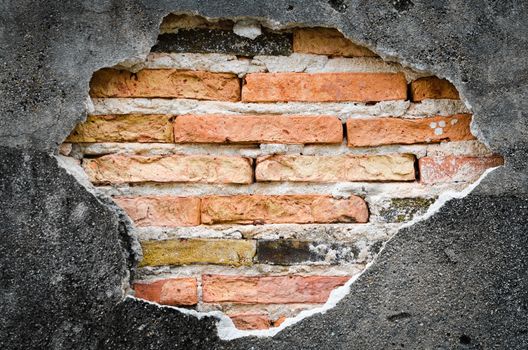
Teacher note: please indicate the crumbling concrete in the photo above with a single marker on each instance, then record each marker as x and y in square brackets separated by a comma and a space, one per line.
[456, 280]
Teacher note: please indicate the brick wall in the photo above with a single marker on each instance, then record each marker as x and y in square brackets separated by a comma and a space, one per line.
[262, 174]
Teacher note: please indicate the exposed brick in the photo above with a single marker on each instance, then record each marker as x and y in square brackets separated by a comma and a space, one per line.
[326, 41]
[251, 321]
[261, 209]
[258, 129]
[386, 131]
[390, 167]
[198, 251]
[433, 88]
[162, 210]
[165, 83]
[123, 128]
[120, 168]
[269, 289]
[324, 87]
[172, 291]
[291, 252]
[455, 168]
[205, 40]
[404, 209]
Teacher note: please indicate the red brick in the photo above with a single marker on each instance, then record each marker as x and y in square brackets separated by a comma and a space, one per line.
[324, 87]
[269, 289]
[219, 128]
[251, 321]
[162, 210]
[433, 88]
[386, 131]
[170, 83]
[120, 168]
[327, 41]
[173, 291]
[455, 168]
[262, 209]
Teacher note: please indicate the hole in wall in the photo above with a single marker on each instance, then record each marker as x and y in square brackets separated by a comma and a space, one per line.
[265, 168]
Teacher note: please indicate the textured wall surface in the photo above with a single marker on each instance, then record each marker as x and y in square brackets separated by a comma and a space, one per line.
[456, 280]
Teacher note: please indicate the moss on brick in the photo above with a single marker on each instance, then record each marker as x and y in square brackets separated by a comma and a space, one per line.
[405, 209]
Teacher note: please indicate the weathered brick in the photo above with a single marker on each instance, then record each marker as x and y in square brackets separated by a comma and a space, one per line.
[386, 131]
[165, 83]
[269, 289]
[119, 168]
[123, 128]
[390, 167]
[258, 129]
[198, 251]
[251, 321]
[326, 41]
[433, 88]
[172, 291]
[206, 40]
[324, 87]
[291, 252]
[162, 210]
[455, 168]
[404, 209]
[262, 209]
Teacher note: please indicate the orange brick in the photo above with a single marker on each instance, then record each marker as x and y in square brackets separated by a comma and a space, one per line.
[162, 210]
[387, 131]
[170, 83]
[119, 168]
[324, 87]
[455, 168]
[433, 88]
[123, 128]
[251, 321]
[173, 291]
[269, 289]
[326, 41]
[388, 167]
[258, 129]
[261, 209]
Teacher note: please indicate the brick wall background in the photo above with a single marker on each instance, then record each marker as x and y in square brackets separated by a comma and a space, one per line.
[263, 173]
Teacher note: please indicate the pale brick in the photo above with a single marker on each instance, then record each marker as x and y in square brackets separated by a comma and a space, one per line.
[262, 209]
[123, 128]
[269, 289]
[219, 128]
[433, 88]
[164, 211]
[389, 167]
[198, 251]
[174, 168]
[326, 41]
[251, 321]
[386, 131]
[170, 83]
[324, 87]
[173, 291]
[455, 168]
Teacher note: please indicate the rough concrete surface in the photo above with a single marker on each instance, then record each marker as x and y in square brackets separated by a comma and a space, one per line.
[458, 280]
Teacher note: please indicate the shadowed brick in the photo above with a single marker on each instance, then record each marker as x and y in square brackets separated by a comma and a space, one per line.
[326, 41]
[433, 88]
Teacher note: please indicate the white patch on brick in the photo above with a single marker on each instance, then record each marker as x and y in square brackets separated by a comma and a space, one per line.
[247, 28]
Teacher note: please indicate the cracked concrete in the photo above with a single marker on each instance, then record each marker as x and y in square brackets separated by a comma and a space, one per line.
[455, 280]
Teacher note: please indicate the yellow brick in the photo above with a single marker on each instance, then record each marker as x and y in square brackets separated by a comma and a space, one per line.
[123, 128]
[198, 251]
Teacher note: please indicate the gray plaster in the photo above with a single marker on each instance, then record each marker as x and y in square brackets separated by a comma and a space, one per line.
[457, 280]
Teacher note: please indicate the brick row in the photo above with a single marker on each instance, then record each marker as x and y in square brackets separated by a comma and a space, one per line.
[452, 169]
[218, 128]
[172, 211]
[240, 289]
